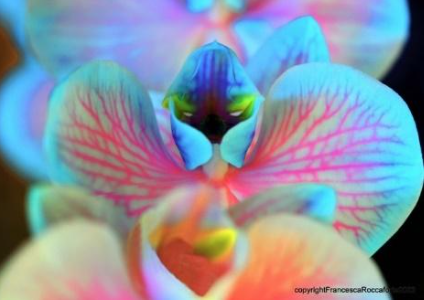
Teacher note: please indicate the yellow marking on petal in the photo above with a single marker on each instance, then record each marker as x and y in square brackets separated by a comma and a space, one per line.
[183, 107]
[216, 244]
[242, 106]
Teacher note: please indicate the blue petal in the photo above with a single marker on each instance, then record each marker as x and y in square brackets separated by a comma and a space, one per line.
[237, 140]
[35, 215]
[194, 146]
[308, 199]
[301, 41]
[236, 5]
[199, 5]
[333, 125]
[252, 34]
[23, 101]
[212, 73]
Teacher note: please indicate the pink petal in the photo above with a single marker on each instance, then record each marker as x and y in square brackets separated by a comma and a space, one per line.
[102, 134]
[312, 200]
[163, 117]
[332, 125]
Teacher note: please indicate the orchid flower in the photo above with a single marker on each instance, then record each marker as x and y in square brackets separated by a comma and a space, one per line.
[321, 123]
[188, 247]
[65, 34]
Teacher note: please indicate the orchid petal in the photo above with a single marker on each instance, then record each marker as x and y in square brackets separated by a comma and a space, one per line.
[367, 35]
[237, 140]
[291, 252]
[102, 135]
[129, 32]
[252, 34]
[50, 205]
[300, 41]
[58, 266]
[185, 214]
[194, 147]
[163, 117]
[370, 37]
[312, 200]
[333, 125]
[22, 118]
[149, 276]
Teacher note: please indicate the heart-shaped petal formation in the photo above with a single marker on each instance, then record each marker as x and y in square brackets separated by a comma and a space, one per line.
[182, 223]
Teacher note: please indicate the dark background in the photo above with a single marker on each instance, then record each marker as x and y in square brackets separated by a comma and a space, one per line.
[400, 260]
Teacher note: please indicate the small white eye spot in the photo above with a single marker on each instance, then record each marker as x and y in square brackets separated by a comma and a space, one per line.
[187, 114]
[236, 113]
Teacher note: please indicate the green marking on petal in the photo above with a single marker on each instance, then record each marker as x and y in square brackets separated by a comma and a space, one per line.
[242, 106]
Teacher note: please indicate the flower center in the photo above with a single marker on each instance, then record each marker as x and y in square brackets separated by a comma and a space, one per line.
[212, 111]
[200, 264]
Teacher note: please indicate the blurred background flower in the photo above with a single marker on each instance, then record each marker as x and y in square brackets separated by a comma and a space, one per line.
[139, 35]
[189, 247]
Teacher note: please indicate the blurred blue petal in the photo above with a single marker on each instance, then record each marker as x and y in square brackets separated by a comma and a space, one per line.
[300, 41]
[199, 5]
[238, 139]
[23, 101]
[12, 15]
[194, 146]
